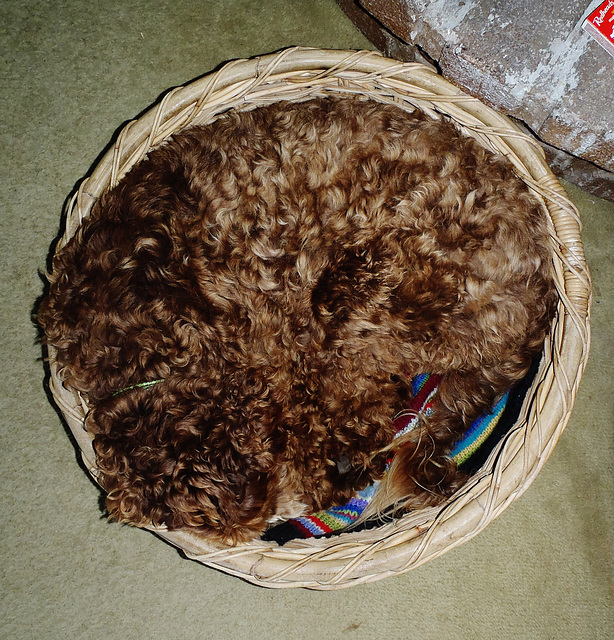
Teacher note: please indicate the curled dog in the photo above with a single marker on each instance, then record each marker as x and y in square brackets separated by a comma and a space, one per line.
[243, 311]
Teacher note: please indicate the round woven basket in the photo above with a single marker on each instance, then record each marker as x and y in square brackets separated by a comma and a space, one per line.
[299, 74]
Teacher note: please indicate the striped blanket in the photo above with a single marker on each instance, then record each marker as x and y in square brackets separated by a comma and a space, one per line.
[466, 454]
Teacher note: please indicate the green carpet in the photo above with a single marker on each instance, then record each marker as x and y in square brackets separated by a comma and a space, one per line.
[71, 73]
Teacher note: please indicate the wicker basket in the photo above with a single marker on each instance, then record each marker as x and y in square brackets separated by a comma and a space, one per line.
[298, 74]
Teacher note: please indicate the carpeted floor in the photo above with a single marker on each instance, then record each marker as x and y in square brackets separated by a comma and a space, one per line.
[72, 72]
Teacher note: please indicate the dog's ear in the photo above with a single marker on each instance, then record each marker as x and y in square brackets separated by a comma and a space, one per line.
[171, 462]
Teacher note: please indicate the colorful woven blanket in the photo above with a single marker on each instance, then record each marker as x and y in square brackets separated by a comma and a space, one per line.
[468, 453]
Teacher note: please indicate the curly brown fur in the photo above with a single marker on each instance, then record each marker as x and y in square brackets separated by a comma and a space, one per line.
[283, 270]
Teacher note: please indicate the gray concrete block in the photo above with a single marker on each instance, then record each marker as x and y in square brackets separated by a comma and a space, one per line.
[531, 60]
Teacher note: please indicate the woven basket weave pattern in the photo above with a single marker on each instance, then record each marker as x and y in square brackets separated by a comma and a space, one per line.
[299, 74]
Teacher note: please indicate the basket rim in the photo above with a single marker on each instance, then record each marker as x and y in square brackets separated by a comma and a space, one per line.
[298, 73]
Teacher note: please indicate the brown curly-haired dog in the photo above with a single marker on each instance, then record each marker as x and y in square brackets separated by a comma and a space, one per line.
[281, 272]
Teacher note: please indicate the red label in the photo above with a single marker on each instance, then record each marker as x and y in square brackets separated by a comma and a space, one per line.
[603, 19]
[600, 24]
